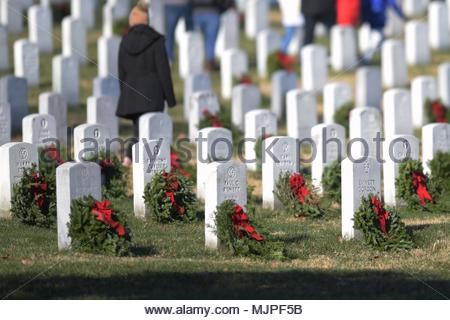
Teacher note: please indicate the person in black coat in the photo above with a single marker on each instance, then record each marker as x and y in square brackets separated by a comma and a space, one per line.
[144, 73]
[317, 11]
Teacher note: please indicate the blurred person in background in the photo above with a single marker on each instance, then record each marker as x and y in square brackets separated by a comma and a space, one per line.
[174, 10]
[292, 20]
[144, 73]
[315, 11]
[374, 12]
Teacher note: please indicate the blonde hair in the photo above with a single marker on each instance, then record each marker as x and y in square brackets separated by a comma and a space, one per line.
[139, 14]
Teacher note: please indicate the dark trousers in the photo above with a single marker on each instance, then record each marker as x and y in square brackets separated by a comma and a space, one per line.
[310, 25]
[173, 13]
[134, 139]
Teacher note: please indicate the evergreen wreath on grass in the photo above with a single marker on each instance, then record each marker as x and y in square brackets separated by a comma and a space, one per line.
[169, 198]
[298, 196]
[440, 169]
[237, 233]
[331, 181]
[114, 177]
[259, 151]
[242, 79]
[436, 111]
[342, 115]
[34, 199]
[382, 228]
[220, 120]
[414, 187]
[280, 61]
[96, 227]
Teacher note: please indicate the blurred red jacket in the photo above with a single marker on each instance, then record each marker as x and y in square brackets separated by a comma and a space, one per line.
[348, 12]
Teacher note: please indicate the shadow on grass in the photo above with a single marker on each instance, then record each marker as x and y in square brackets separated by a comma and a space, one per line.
[230, 285]
[144, 251]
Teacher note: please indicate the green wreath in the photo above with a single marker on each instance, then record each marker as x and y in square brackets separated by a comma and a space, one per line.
[298, 196]
[34, 199]
[342, 115]
[331, 181]
[436, 111]
[415, 188]
[382, 228]
[169, 198]
[96, 227]
[440, 169]
[237, 234]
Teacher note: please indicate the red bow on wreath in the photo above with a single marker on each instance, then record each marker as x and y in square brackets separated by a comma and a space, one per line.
[298, 186]
[175, 164]
[241, 224]
[106, 164]
[53, 153]
[419, 183]
[103, 213]
[439, 111]
[173, 185]
[245, 79]
[213, 119]
[287, 62]
[382, 214]
[38, 189]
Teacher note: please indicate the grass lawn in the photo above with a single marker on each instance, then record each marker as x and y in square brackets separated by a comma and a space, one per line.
[170, 262]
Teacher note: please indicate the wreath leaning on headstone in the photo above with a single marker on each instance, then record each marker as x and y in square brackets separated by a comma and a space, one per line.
[331, 181]
[237, 233]
[96, 227]
[382, 228]
[414, 187]
[298, 196]
[169, 198]
[440, 169]
[436, 111]
[280, 61]
[342, 115]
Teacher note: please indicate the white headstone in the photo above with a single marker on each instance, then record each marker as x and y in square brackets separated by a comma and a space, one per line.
[329, 140]
[444, 83]
[416, 42]
[192, 54]
[335, 95]
[40, 27]
[394, 70]
[26, 61]
[234, 64]
[396, 149]
[195, 83]
[398, 111]
[85, 11]
[4, 49]
[5, 123]
[214, 144]
[422, 88]
[258, 123]
[156, 14]
[89, 140]
[435, 138]
[39, 130]
[108, 20]
[66, 78]
[365, 126]
[358, 180]
[438, 24]
[102, 110]
[15, 92]
[226, 181]
[246, 97]
[364, 37]
[108, 54]
[228, 37]
[74, 39]
[343, 48]
[14, 157]
[368, 87]
[283, 156]
[394, 24]
[74, 181]
[106, 86]
[54, 104]
[314, 67]
[156, 126]
[256, 17]
[414, 8]
[201, 102]
[151, 158]
[121, 8]
[11, 15]
[282, 83]
[267, 42]
[301, 113]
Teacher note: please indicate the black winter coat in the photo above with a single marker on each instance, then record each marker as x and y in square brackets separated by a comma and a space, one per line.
[144, 73]
[319, 7]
